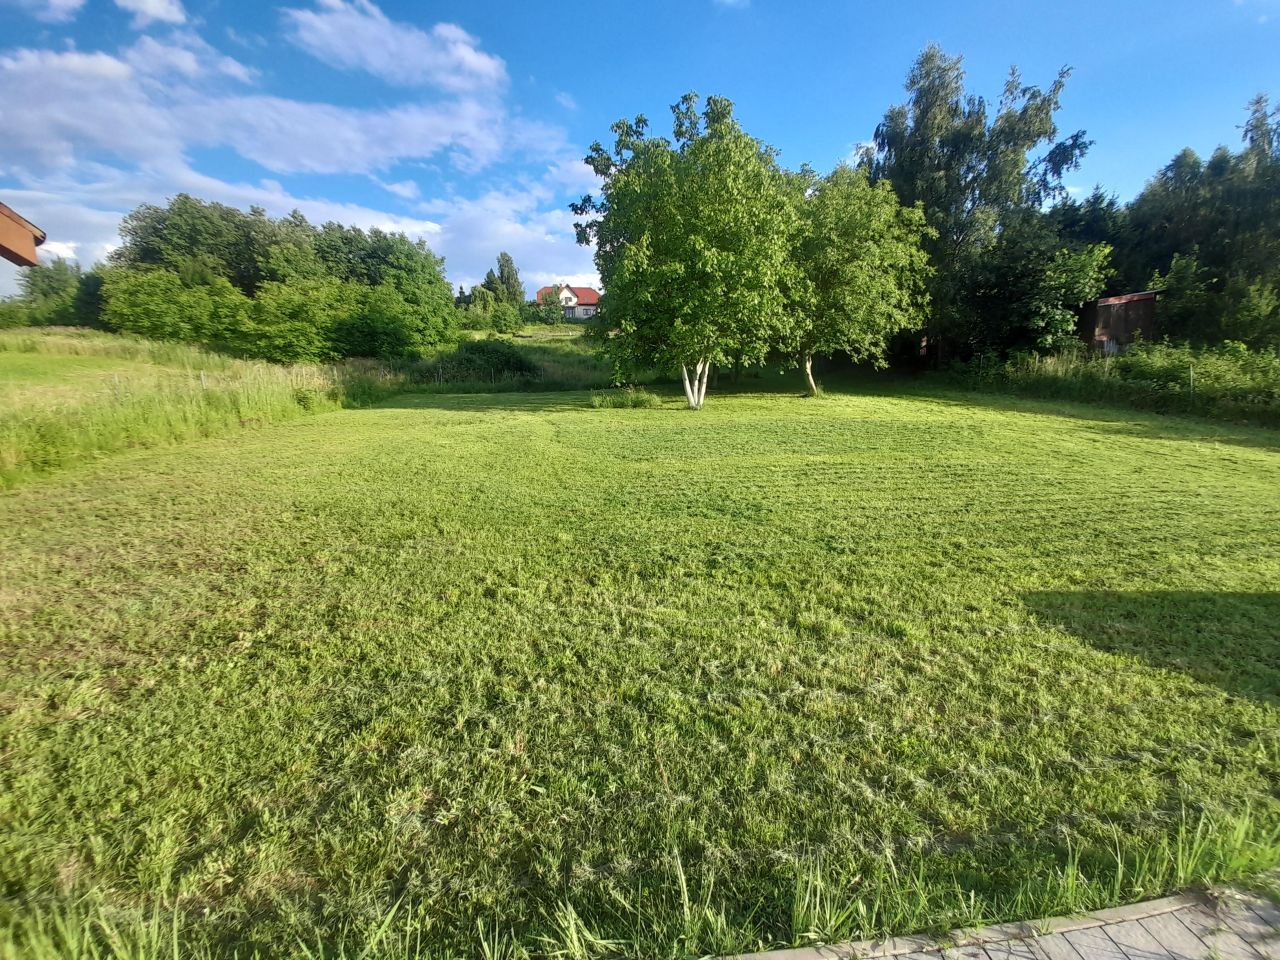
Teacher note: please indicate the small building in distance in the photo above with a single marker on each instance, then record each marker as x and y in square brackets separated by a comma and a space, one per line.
[578, 303]
[19, 238]
[1110, 324]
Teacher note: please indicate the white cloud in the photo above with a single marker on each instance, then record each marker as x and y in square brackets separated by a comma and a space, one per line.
[81, 104]
[530, 223]
[357, 35]
[52, 11]
[249, 41]
[293, 136]
[101, 133]
[566, 100]
[540, 278]
[405, 189]
[77, 103]
[153, 11]
[185, 54]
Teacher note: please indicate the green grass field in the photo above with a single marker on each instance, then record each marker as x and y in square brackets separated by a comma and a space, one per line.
[497, 675]
[68, 395]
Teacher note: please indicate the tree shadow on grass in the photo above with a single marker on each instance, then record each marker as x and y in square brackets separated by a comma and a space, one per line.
[1228, 639]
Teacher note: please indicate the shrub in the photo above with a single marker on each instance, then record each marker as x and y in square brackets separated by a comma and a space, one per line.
[506, 317]
[13, 314]
[154, 304]
[636, 397]
[294, 321]
[1229, 381]
[380, 324]
[483, 361]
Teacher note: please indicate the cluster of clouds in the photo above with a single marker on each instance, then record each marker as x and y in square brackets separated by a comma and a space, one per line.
[99, 132]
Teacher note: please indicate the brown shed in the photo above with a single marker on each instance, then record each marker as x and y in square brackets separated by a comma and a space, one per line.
[1110, 324]
[19, 238]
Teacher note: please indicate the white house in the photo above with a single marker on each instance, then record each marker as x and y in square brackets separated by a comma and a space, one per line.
[578, 303]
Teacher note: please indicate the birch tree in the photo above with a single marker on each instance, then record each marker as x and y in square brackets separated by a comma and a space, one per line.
[692, 239]
[862, 269]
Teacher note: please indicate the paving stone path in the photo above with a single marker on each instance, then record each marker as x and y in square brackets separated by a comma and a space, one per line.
[1227, 927]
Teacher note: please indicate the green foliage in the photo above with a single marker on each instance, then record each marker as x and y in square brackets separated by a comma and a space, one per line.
[971, 171]
[87, 304]
[379, 323]
[1187, 309]
[191, 234]
[371, 293]
[476, 311]
[47, 291]
[510, 670]
[509, 279]
[505, 285]
[484, 361]
[1252, 313]
[862, 269]
[298, 321]
[154, 304]
[547, 312]
[1207, 232]
[692, 242]
[1228, 381]
[374, 258]
[485, 311]
[1024, 291]
[14, 313]
[506, 317]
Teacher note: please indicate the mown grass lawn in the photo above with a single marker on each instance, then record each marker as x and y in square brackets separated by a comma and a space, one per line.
[511, 673]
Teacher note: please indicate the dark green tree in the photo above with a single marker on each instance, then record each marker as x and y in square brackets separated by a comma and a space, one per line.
[509, 279]
[970, 167]
[48, 291]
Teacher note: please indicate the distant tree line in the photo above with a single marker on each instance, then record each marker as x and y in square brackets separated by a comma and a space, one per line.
[274, 289]
[1206, 233]
[1014, 253]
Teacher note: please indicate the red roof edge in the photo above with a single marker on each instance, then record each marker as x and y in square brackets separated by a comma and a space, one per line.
[1128, 298]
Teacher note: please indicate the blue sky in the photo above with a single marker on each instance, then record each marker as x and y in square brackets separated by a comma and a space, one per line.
[465, 123]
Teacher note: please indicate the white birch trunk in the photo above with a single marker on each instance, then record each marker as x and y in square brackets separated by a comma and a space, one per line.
[695, 387]
[808, 374]
[688, 388]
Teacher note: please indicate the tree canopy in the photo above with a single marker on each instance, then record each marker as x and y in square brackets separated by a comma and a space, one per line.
[692, 241]
[862, 268]
[974, 173]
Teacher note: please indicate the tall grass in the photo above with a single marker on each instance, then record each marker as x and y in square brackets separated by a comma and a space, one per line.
[1229, 382]
[545, 363]
[185, 393]
[625, 397]
[681, 914]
